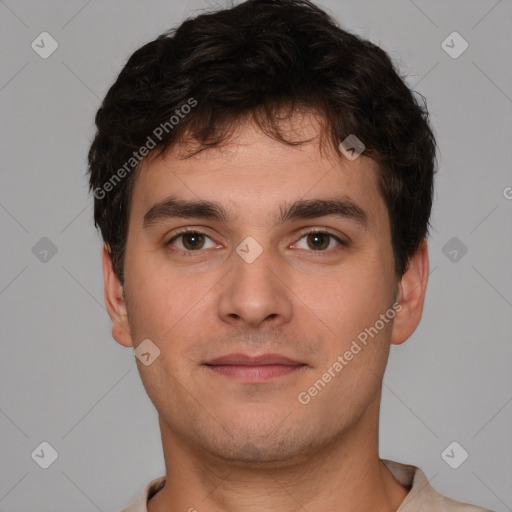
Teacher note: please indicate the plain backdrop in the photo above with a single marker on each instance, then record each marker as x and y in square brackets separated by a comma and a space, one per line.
[66, 382]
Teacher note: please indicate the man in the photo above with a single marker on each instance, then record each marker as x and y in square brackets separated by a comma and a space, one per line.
[263, 184]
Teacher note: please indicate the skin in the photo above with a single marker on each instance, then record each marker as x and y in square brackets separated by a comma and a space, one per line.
[238, 446]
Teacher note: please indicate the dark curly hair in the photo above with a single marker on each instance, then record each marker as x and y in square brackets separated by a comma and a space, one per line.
[256, 60]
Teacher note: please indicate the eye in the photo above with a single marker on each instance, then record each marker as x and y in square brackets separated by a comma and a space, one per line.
[192, 240]
[320, 240]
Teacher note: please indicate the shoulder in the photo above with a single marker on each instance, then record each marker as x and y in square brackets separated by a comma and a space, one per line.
[422, 496]
[140, 503]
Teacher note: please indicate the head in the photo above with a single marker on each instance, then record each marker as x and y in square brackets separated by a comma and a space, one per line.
[295, 246]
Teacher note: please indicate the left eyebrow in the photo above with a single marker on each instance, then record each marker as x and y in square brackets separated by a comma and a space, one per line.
[342, 207]
[173, 207]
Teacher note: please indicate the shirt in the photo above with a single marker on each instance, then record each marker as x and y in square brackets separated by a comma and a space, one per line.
[422, 497]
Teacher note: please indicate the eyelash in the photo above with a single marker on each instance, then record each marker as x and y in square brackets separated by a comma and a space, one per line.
[198, 232]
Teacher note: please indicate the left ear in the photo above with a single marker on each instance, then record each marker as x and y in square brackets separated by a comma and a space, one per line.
[411, 296]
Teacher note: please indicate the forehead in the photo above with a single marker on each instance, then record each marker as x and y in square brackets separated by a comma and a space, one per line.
[252, 168]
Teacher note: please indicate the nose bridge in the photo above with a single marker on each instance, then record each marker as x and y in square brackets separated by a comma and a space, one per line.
[254, 292]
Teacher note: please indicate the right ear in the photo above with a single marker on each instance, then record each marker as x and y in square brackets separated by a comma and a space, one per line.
[115, 302]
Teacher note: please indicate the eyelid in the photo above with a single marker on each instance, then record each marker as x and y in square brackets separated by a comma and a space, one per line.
[338, 236]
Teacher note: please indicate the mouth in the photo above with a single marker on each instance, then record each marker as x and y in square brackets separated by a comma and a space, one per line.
[246, 368]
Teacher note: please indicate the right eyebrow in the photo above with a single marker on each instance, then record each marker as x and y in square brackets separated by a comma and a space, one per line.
[174, 207]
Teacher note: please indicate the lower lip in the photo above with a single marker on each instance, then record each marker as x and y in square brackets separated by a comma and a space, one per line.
[255, 373]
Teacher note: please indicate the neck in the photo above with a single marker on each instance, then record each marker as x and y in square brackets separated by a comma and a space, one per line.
[344, 475]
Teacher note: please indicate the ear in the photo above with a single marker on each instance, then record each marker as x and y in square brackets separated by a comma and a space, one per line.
[115, 302]
[411, 296]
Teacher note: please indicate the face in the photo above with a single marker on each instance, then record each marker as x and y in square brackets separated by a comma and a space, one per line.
[281, 275]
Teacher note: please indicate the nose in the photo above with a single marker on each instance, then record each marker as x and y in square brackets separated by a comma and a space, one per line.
[255, 292]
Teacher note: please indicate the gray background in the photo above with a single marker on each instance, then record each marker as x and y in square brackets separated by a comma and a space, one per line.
[63, 378]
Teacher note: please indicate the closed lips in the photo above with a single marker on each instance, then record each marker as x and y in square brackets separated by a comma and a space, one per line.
[247, 360]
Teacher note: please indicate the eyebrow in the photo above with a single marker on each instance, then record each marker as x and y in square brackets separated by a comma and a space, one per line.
[173, 207]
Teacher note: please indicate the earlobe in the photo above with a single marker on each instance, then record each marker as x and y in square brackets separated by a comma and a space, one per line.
[411, 295]
[114, 301]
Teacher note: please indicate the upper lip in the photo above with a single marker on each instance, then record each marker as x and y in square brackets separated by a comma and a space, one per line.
[248, 360]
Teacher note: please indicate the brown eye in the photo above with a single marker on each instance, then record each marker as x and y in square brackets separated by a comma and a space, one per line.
[190, 241]
[319, 241]
[193, 241]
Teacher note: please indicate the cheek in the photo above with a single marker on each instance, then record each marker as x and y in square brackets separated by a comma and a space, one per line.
[355, 298]
[352, 308]
[166, 308]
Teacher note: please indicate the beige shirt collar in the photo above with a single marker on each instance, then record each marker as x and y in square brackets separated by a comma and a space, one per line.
[422, 497]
